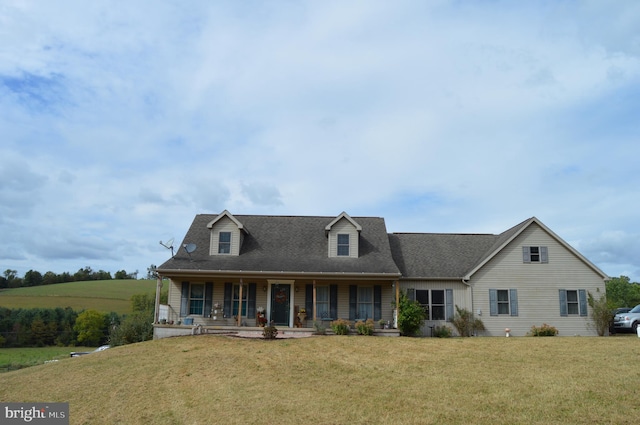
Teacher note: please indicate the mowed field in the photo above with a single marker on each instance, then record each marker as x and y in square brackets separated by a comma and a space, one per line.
[102, 295]
[344, 380]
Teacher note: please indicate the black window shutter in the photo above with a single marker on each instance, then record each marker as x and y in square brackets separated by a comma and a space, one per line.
[308, 299]
[184, 299]
[333, 301]
[228, 293]
[251, 301]
[377, 302]
[208, 299]
[353, 301]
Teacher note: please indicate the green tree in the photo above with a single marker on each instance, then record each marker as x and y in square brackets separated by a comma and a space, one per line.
[410, 316]
[90, 326]
[622, 293]
[83, 274]
[122, 274]
[49, 278]
[151, 272]
[143, 302]
[32, 278]
[39, 332]
[135, 327]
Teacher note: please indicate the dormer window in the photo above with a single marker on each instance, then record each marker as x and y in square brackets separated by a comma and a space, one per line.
[226, 235]
[224, 243]
[343, 235]
[343, 244]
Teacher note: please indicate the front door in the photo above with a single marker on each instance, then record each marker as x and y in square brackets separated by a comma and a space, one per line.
[280, 304]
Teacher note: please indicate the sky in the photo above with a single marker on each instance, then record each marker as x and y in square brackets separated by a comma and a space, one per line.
[120, 121]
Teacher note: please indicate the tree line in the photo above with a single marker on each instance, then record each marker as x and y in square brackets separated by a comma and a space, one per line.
[40, 327]
[10, 278]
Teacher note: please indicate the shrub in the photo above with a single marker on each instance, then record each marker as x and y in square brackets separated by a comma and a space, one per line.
[410, 316]
[365, 328]
[442, 331]
[340, 327]
[269, 332]
[600, 313]
[544, 330]
[135, 327]
[320, 328]
[465, 323]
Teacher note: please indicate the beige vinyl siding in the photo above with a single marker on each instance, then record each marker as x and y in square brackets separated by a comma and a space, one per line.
[225, 224]
[343, 226]
[461, 297]
[537, 285]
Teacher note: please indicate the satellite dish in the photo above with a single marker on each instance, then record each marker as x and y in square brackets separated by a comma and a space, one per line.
[189, 247]
[168, 244]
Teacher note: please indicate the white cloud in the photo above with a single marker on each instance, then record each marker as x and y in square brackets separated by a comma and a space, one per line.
[120, 124]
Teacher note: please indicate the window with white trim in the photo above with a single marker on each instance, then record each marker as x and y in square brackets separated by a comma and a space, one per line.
[196, 298]
[503, 302]
[224, 243]
[535, 254]
[433, 303]
[573, 302]
[343, 244]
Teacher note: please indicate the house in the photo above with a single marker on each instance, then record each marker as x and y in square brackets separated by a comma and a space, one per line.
[295, 271]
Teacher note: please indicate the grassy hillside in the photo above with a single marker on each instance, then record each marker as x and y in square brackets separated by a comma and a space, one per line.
[344, 380]
[101, 295]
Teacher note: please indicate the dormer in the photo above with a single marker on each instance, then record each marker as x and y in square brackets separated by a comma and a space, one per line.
[226, 234]
[343, 234]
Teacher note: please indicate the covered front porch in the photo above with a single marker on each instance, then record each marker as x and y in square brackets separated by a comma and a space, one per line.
[214, 304]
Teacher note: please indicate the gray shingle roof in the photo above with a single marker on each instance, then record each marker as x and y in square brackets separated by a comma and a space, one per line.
[298, 244]
[436, 255]
[291, 244]
[444, 255]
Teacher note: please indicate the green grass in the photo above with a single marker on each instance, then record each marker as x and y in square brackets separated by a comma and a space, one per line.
[344, 380]
[17, 358]
[102, 295]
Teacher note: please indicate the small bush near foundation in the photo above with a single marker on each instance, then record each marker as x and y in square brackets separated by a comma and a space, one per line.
[544, 330]
[320, 328]
[411, 316]
[365, 328]
[340, 327]
[269, 332]
[442, 332]
[465, 323]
